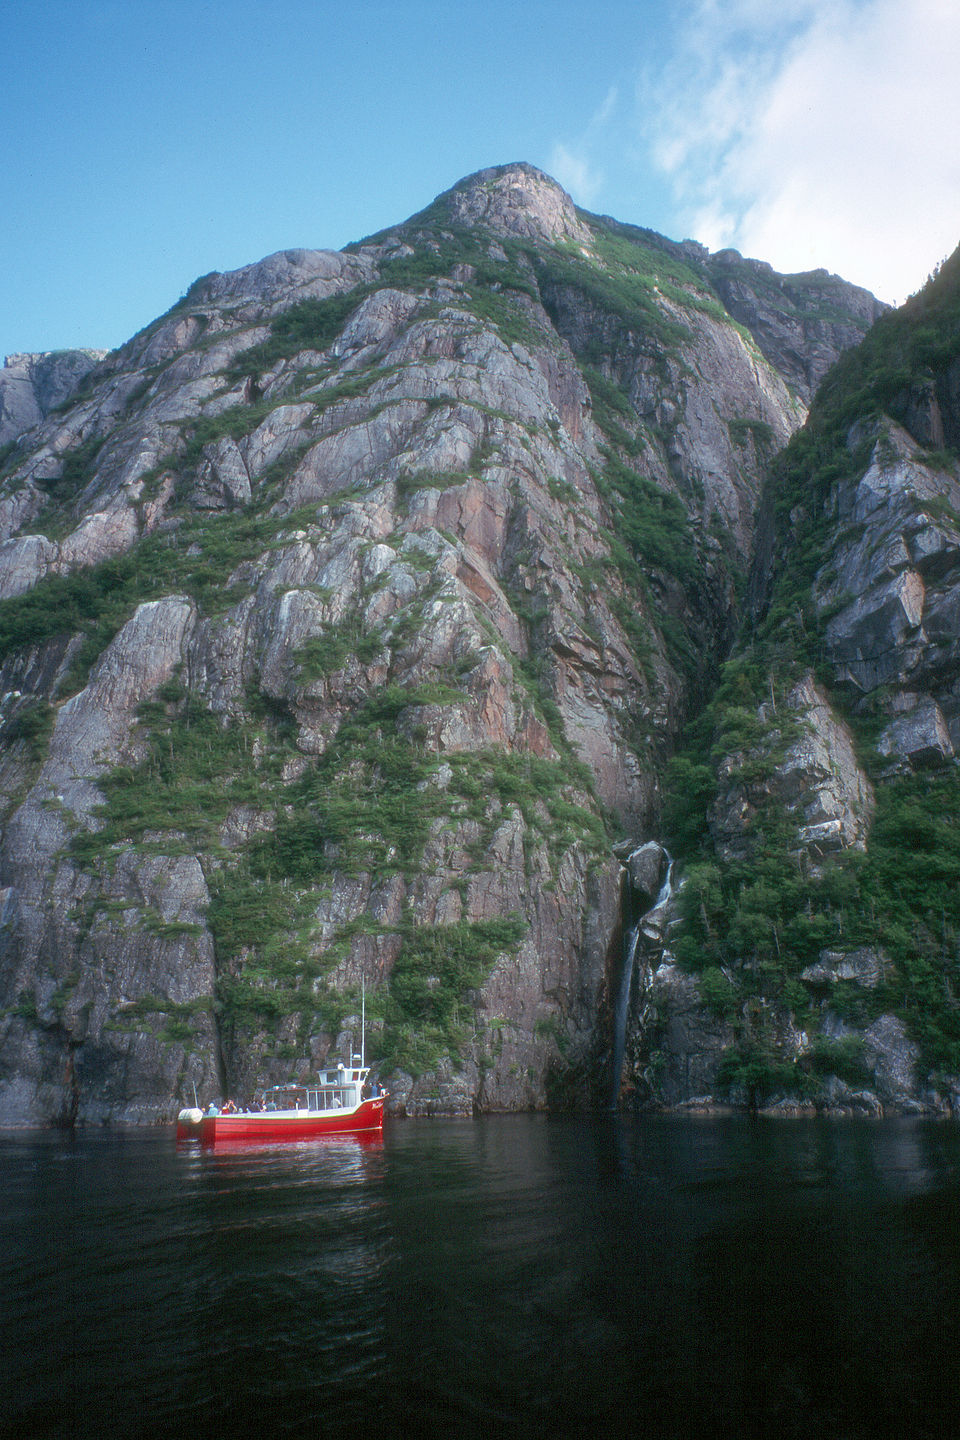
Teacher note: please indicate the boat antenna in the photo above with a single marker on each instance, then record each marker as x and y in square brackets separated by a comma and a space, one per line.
[363, 1020]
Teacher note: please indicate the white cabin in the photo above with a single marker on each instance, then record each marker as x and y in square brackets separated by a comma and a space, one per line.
[337, 1088]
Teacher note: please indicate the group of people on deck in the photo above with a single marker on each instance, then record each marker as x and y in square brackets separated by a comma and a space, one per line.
[229, 1107]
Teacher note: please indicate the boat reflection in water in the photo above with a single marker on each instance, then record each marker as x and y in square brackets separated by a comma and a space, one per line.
[340, 1103]
[362, 1140]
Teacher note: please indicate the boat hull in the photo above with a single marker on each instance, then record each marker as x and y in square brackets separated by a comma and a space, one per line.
[366, 1119]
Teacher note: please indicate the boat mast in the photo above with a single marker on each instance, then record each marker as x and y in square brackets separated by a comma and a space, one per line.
[363, 1020]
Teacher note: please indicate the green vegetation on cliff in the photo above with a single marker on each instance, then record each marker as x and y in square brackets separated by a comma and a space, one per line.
[367, 808]
[764, 911]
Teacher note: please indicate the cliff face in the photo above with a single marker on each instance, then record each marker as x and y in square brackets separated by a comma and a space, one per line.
[348, 615]
[817, 936]
[31, 386]
[802, 323]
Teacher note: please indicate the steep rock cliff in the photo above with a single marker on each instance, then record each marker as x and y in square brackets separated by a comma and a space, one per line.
[31, 386]
[802, 323]
[349, 614]
[819, 922]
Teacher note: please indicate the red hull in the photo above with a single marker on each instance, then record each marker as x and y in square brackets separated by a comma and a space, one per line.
[367, 1119]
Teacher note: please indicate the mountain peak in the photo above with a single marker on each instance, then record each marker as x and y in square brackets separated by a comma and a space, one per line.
[517, 199]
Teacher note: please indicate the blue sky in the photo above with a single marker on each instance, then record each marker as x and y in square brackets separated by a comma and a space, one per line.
[146, 144]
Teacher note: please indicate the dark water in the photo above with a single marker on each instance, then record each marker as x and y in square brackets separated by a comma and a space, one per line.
[516, 1276]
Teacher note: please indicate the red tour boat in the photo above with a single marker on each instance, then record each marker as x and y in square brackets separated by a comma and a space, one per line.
[333, 1105]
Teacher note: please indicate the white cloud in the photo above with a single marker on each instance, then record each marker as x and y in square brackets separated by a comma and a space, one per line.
[818, 133]
[574, 165]
[575, 174]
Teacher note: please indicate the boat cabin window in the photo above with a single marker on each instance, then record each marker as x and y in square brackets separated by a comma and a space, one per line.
[284, 1097]
[331, 1098]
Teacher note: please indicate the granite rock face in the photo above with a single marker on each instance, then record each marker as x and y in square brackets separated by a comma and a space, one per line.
[890, 588]
[690, 1041]
[518, 200]
[350, 611]
[802, 323]
[817, 780]
[33, 385]
[719, 410]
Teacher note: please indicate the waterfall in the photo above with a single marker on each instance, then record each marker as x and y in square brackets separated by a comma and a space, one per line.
[631, 940]
[649, 924]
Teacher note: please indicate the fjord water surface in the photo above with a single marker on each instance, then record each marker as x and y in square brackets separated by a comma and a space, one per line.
[505, 1276]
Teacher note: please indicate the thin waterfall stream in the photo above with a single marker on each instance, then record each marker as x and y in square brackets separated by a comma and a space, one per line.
[637, 926]
[631, 940]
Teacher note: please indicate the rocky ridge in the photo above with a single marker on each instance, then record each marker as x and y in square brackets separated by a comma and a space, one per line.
[349, 614]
